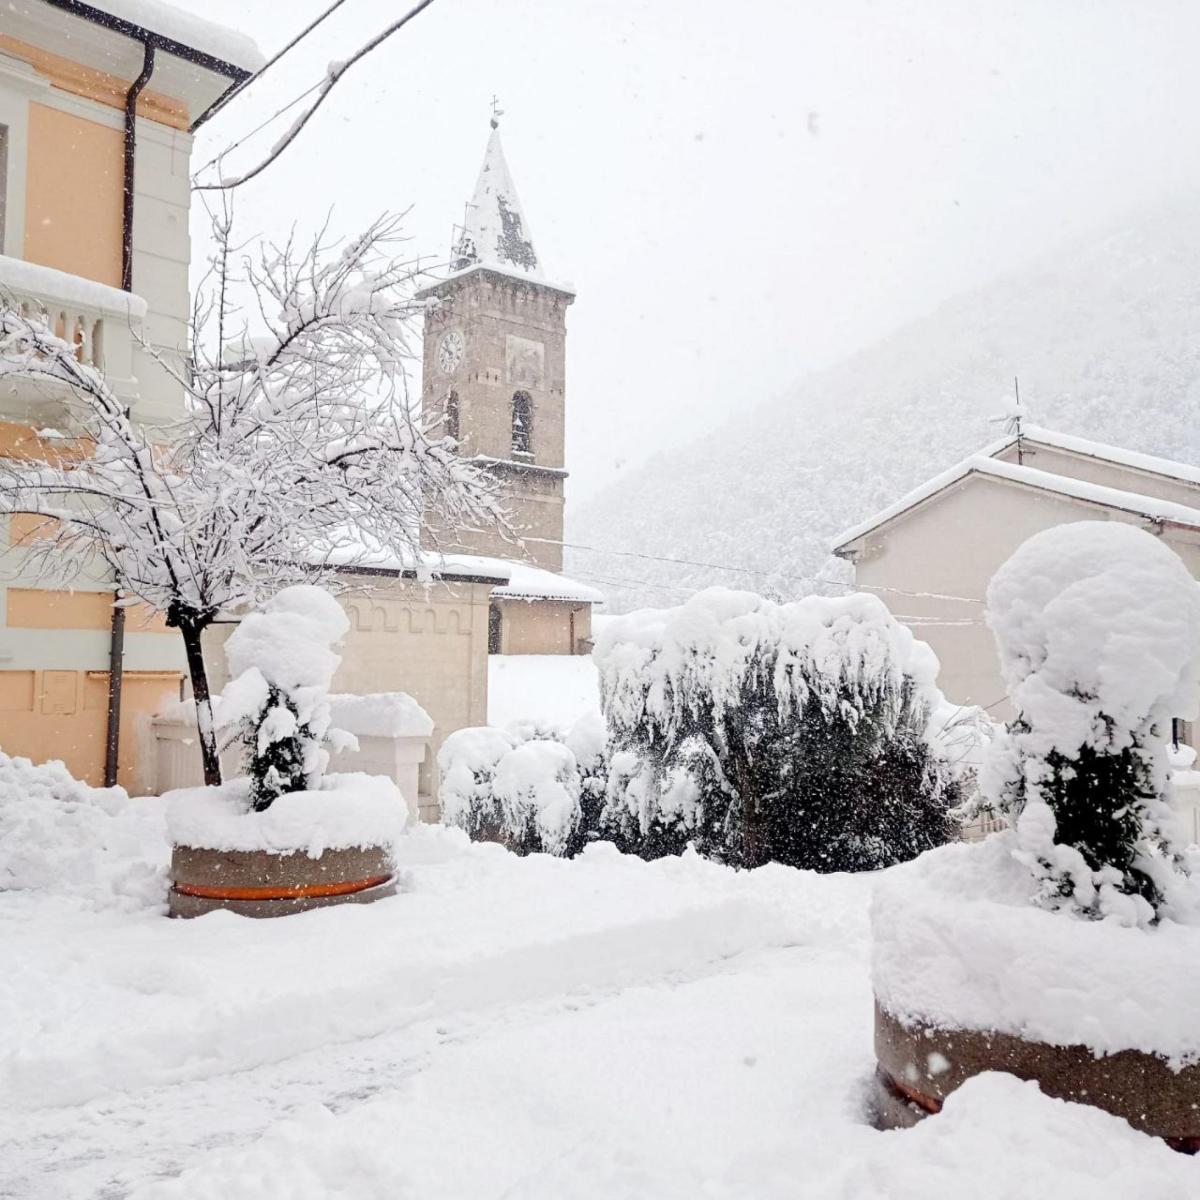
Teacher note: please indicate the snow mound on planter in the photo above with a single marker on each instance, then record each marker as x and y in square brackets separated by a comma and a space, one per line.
[958, 944]
[61, 837]
[1061, 610]
[289, 640]
[347, 810]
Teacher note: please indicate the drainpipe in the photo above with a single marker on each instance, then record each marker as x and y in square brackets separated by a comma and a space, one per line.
[116, 645]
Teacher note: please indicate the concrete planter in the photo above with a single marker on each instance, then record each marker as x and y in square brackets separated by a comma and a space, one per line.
[263, 883]
[920, 1065]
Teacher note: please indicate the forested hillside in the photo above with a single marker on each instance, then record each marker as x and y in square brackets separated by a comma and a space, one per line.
[1105, 337]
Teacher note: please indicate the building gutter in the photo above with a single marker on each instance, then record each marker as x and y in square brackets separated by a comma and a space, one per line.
[116, 641]
[156, 41]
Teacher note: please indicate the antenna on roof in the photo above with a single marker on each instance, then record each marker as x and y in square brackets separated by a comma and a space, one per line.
[1013, 421]
[1014, 424]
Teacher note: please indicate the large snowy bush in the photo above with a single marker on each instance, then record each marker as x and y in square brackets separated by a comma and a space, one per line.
[798, 733]
[1098, 628]
[282, 663]
[536, 791]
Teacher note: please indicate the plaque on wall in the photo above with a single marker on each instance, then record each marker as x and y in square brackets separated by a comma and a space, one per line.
[524, 361]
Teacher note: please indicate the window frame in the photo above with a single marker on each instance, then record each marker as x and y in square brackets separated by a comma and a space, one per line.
[19, 84]
[527, 450]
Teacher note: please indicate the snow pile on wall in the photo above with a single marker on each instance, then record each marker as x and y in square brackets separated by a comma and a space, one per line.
[1098, 628]
[380, 714]
[60, 836]
[346, 810]
[957, 944]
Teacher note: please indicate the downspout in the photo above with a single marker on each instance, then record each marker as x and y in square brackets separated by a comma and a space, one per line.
[116, 645]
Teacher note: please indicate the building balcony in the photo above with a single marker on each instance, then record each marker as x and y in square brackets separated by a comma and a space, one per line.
[103, 322]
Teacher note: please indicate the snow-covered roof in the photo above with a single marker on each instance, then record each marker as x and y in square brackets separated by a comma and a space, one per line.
[1114, 454]
[514, 579]
[1149, 507]
[495, 229]
[527, 582]
[187, 29]
[512, 272]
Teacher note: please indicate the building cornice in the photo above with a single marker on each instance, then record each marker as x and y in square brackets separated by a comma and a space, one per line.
[515, 464]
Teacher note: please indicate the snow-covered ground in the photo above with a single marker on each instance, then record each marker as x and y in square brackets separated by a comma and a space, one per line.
[556, 689]
[503, 1027]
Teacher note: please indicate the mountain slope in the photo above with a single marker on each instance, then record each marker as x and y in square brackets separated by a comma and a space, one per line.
[1104, 335]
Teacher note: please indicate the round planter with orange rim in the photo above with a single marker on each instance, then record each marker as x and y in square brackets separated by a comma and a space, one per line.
[265, 883]
[970, 976]
[309, 849]
[919, 1065]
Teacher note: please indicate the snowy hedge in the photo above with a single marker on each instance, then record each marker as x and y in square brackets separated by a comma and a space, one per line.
[1098, 628]
[798, 733]
[525, 786]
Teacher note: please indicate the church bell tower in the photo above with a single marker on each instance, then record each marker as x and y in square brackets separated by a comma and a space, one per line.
[494, 366]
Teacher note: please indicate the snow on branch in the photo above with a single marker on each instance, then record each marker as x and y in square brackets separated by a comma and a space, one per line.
[297, 446]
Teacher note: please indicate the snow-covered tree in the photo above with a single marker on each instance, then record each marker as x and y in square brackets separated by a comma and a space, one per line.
[796, 733]
[281, 663]
[1098, 628]
[296, 447]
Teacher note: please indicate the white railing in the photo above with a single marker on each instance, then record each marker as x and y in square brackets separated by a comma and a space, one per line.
[101, 321]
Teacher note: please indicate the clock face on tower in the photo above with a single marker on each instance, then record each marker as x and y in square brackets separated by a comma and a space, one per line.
[450, 351]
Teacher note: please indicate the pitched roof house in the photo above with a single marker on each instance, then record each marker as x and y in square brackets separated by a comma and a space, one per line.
[931, 554]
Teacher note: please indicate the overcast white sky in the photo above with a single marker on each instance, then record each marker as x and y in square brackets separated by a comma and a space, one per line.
[740, 192]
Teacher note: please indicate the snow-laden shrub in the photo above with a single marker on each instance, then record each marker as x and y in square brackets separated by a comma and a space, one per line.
[1098, 628]
[537, 789]
[467, 762]
[587, 739]
[528, 786]
[282, 662]
[758, 731]
[59, 836]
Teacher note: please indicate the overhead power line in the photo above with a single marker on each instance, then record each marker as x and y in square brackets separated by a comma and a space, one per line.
[809, 579]
[336, 72]
[241, 87]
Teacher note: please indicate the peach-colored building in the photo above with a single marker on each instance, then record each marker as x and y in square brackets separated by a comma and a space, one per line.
[98, 104]
[931, 555]
[109, 264]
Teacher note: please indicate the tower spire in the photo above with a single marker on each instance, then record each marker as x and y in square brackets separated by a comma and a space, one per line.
[495, 230]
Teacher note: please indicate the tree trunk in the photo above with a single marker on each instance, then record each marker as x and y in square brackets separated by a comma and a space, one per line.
[191, 628]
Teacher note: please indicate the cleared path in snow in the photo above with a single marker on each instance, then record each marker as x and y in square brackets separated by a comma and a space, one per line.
[506, 1028]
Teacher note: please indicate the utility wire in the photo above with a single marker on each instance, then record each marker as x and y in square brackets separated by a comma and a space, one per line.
[336, 72]
[241, 87]
[809, 579]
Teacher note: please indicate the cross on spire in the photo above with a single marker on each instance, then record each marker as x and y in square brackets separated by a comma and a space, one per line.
[497, 111]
